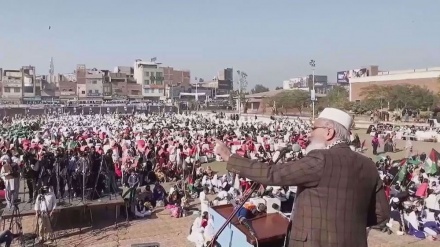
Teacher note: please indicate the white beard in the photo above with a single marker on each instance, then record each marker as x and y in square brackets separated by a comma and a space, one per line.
[314, 145]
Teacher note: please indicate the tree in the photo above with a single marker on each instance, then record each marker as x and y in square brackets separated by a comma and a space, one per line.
[259, 89]
[278, 88]
[399, 96]
[292, 99]
[337, 97]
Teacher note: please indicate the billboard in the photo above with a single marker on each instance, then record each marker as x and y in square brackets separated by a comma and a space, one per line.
[345, 76]
[298, 82]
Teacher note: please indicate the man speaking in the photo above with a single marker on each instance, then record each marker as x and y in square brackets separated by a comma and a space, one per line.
[339, 194]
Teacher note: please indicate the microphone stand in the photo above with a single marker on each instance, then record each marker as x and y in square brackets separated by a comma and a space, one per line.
[96, 181]
[246, 197]
[83, 163]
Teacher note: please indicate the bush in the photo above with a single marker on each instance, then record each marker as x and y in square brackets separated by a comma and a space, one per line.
[425, 114]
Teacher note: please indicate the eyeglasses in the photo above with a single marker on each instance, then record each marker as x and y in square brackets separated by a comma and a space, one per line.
[318, 127]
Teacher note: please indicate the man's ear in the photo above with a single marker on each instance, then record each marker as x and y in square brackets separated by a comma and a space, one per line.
[330, 134]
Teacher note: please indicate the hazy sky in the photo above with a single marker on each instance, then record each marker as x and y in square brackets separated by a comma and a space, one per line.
[270, 40]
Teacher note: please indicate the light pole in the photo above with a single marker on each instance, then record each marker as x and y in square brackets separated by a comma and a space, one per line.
[312, 94]
[197, 95]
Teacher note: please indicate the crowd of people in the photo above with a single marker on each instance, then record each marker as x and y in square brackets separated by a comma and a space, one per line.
[88, 156]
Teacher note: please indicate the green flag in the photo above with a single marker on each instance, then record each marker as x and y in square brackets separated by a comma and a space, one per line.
[402, 173]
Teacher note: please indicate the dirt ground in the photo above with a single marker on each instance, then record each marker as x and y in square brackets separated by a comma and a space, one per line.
[171, 232]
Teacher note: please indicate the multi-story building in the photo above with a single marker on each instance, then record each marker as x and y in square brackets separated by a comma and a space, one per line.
[81, 72]
[94, 84]
[176, 81]
[118, 86]
[29, 85]
[220, 85]
[150, 76]
[134, 90]
[176, 77]
[225, 81]
[67, 86]
[12, 85]
[49, 91]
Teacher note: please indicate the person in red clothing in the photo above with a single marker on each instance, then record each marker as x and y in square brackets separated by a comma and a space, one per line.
[244, 185]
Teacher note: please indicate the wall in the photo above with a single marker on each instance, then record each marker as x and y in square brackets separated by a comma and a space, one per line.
[81, 74]
[134, 89]
[182, 76]
[119, 88]
[428, 79]
[146, 74]
[81, 90]
[12, 88]
[94, 87]
[68, 88]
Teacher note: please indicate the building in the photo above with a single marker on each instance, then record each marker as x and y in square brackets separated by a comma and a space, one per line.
[428, 78]
[127, 70]
[225, 81]
[150, 75]
[306, 82]
[220, 85]
[20, 85]
[94, 84]
[12, 85]
[67, 87]
[134, 90]
[176, 77]
[117, 88]
[49, 91]
[31, 93]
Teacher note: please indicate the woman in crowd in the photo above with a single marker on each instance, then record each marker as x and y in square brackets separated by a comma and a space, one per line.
[141, 210]
[375, 143]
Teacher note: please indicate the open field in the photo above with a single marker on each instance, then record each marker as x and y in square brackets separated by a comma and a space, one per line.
[171, 232]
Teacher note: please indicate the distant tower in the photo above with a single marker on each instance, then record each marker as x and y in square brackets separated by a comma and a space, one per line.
[51, 70]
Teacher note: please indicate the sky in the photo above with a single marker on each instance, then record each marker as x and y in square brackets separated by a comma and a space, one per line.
[271, 41]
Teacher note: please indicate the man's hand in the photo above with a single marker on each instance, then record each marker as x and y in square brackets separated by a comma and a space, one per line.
[222, 150]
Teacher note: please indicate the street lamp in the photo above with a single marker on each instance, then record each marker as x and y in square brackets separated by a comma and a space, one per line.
[312, 93]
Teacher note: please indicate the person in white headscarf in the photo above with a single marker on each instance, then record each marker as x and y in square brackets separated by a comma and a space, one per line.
[8, 176]
[197, 230]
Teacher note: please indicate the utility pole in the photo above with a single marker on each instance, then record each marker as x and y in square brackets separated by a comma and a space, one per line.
[312, 93]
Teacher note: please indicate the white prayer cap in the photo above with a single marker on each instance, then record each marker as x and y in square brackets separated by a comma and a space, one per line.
[395, 199]
[338, 116]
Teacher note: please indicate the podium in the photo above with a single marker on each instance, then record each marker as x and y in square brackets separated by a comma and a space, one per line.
[270, 229]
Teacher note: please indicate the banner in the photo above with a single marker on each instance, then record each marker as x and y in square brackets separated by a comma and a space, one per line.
[345, 76]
